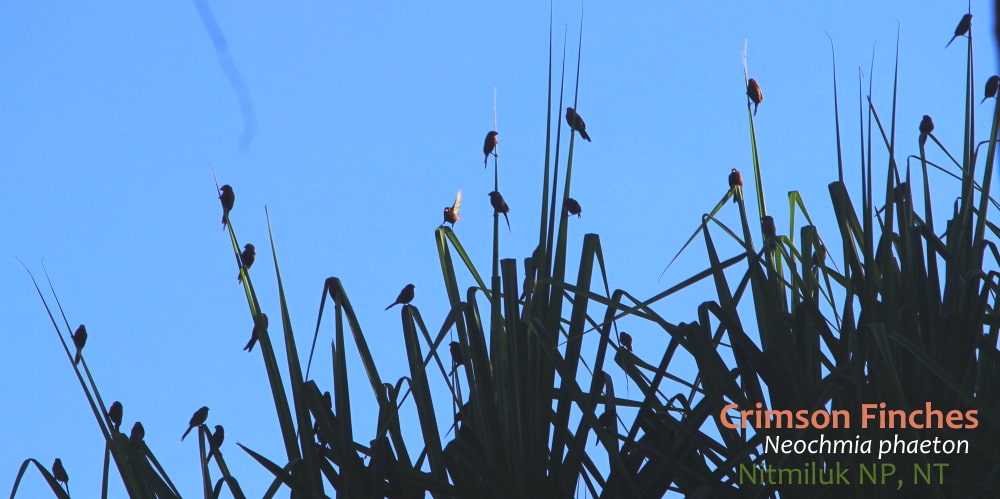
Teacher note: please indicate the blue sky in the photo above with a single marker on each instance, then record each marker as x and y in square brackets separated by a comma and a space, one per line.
[369, 118]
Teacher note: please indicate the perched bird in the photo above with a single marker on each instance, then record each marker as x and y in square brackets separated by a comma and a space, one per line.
[625, 340]
[818, 257]
[500, 206]
[528, 285]
[607, 420]
[926, 127]
[451, 212]
[80, 340]
[215, 440]
[138, 433]
[259, 327]
[197, 419]
[115, 415]
[456, 354]
[573, 207]
[59, 473]
[992, 85]
[770, 232]
[576, 123]
[228, 198]
[489, 146]
[755, 95]
[404, 298]
[736, 180]
[247, 257]
[962, 28]
[327, 401]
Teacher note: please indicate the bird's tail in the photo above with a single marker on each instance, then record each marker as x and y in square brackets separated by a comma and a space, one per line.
[390, 306]
[186, 433]
[251, 343]
[76, 360]
[583, 133]
[507, 220]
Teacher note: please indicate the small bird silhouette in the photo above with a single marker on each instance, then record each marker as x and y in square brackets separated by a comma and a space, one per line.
[500, 206]
[456, 354]
[992, 85]
[770, 232]
[573, 207]
[755, 95]
[404, 298]
[489, 146]
[247, 257]
[197, 419]
[736, 180]
[228, 198]
[215, 440]
[451, 212]
[59, 473]
[926, 127]
[607, 420]
[79, 340]
[625, 340]
[962, 28]
[528, 285]
[115, 415]
[576, 123]
[138, 434]
[259, 327]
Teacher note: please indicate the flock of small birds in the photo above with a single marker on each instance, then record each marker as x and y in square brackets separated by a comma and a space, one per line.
[572, 207]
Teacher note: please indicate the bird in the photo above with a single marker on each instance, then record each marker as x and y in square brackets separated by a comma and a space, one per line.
[115, 415]
[197, 419]
[59, 473]
[607, 420]
[770, 232]
[926, 127]
[625, 340]
[215, 440]
[962, 28]
[489, 146]
[456, 354]
[573, 207]
[228, 198]
[247, 257]
[576, 123]
[451, 212]
[80, 340]
[992, 85]
[500, 206]
[736, 180]
[404, 298]
[528, 285]
[755, 95]
[138, 433]
[259, 327]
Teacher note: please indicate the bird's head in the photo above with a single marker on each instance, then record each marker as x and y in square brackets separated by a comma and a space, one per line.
[249, 247]
[226, 188]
